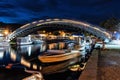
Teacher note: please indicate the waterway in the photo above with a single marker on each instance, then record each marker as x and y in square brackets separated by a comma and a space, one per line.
[15, 59]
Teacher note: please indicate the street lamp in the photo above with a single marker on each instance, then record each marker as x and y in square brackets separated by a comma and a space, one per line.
[6, 32]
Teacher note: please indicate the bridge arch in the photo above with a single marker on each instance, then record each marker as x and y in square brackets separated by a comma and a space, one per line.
[60, 24]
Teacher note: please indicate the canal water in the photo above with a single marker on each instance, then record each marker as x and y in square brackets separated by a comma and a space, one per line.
[15, 59]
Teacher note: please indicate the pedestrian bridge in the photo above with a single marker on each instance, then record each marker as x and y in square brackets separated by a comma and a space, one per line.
[59, 24]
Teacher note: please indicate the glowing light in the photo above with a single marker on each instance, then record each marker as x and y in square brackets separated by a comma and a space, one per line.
[44, 31]
[41, 20]
[38, 24]
[1, 55]
[6, 32]
[34, 22]
[29, 50]
[25, 25]
[56, 19]
[48, 19]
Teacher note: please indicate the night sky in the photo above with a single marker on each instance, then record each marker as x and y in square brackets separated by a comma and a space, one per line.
[92, 11]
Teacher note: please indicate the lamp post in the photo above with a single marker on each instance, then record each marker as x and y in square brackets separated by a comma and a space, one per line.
[6, 32]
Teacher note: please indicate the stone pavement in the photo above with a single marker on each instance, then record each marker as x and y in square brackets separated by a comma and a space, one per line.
[109, 65]
[102, 65]
[90, 71]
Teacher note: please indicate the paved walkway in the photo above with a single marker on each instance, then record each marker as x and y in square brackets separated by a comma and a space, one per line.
[90, 71]
[104, 66]
[109, 65]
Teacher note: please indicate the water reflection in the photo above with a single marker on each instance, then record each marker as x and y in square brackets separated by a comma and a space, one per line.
[30, 50]
[26, 56]
[60, 45]
[5, 56]
[1, 54]
[22, 55]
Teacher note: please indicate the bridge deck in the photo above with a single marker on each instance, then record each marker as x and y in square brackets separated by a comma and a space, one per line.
[60, 24]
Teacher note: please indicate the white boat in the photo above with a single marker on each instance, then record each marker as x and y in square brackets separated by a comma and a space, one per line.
[38, 41]
[24, 40]
[24, 43]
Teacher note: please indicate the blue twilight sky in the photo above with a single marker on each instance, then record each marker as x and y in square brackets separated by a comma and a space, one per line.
[92, 11]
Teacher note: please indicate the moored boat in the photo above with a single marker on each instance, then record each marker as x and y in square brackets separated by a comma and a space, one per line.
[24, 40]
[58, 55]
[59, 67]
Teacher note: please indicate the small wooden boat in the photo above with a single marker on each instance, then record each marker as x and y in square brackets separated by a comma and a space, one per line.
[59, 67]
[58, 55]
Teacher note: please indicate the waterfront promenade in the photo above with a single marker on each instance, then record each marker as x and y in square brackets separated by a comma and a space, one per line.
[102, 65]
[109, 65]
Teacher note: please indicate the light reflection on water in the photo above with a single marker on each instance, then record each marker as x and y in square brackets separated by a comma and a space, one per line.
[27, 54]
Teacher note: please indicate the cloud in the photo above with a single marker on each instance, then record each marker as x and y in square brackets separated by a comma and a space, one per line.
[6, 6]
[31, 10]
[7, 14]
[32, 5]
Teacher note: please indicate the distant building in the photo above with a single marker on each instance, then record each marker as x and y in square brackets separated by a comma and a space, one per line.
[2, 35]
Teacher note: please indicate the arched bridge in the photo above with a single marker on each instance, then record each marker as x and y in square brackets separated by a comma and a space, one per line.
[59, 24]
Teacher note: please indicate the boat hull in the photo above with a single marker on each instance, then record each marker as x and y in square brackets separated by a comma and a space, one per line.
[58, 57]
[59, 67]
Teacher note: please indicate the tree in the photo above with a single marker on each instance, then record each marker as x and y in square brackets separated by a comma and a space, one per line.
[110, 24]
